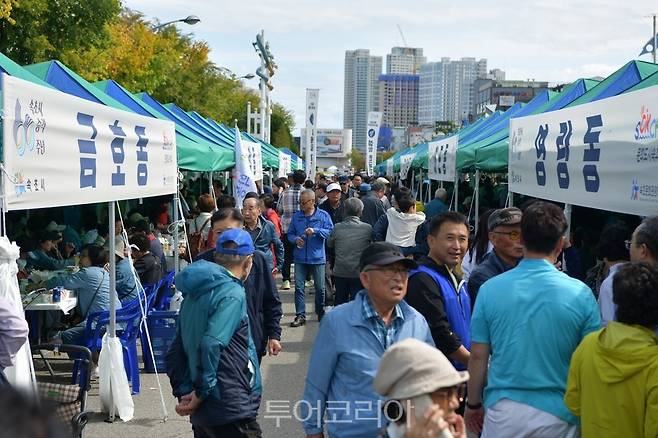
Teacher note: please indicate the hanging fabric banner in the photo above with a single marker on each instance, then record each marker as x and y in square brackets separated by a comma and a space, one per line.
[601, 154]
[312, 96]
[285, 164]
[372, 135]
[255, 158]
[63, 150]
[441, 161]
[405, 164]
[243, 179]
[389, 167]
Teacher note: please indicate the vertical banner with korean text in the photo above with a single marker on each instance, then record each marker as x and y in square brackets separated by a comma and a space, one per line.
[63, 150]
[285, 164]
[602, 154]
[389, 167]
[405, 164]
[442, 158]
[372, 135]
[243, 178]
[312, 96]
[254, 153]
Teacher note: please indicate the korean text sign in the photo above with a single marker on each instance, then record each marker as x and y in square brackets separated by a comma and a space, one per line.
[441, 158]
[602, 154]
[63, 150]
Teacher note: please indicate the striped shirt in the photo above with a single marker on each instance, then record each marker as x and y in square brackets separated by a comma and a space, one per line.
[385, 334]
[288, 205]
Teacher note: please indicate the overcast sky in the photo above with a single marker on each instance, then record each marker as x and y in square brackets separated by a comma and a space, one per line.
[549, 40]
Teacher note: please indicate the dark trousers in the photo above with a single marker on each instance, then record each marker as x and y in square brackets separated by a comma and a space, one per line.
[238, 429]
[288, 249]
[346, 289]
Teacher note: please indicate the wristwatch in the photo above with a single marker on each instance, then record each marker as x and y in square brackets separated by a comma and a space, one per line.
[475, 406]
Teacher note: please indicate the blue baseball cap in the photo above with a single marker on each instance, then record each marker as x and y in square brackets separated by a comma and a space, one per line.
[242, 240]
[364, 188]
[343, 178]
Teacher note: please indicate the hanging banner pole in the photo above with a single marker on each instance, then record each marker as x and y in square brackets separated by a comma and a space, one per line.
[477, 199]
[372, 136]
[456, 191]
[312, 97]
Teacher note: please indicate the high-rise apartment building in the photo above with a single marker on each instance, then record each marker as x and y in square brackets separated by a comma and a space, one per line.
[361, 92]
[398, 100]
[404, 60]
[445, 89]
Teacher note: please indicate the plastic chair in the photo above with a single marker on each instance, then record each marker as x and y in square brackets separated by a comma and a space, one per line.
[163, 296]
[128, 322]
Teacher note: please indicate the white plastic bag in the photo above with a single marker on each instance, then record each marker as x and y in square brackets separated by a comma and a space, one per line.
[176, 301]
[21, 375]
[113, 385]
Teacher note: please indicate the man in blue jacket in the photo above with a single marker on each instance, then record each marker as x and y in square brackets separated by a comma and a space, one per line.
[350, 343]
[263, 303]
[308, 230]
[212, 363]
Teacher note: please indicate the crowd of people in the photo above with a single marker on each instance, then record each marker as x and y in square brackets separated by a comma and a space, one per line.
[427, 329]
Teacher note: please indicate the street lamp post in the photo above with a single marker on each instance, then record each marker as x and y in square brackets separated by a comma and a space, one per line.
[190, 19]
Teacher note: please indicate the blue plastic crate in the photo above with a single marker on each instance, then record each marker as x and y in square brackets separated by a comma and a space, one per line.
[162, 329]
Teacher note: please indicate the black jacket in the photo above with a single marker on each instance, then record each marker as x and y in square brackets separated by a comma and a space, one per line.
[490, 267]
[425, 295]
[148, 268]
[337, 214]
[263, 302]
[373, 209]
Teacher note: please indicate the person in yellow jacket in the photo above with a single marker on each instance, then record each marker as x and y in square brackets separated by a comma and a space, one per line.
[613, 377]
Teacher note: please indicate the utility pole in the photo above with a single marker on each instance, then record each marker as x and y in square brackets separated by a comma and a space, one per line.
[265, 73]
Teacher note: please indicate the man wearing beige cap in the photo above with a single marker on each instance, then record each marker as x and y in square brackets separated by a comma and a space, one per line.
[348, 347]
[505, 235]
[423, 389]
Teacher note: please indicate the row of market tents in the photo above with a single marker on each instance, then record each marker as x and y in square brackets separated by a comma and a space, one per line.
[202, 144]
[483, 145]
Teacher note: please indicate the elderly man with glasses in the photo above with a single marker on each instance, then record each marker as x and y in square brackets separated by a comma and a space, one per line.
[505, 235]
[350, 343]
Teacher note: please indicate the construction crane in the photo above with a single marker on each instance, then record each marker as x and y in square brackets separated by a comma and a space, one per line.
[402, 35]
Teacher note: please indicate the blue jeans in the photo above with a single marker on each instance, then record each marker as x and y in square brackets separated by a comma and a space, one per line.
[317, 272]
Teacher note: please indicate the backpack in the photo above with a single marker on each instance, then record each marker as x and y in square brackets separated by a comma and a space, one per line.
[197, 241]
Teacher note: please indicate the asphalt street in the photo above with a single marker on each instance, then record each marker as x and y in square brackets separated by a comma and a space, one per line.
[283, 384]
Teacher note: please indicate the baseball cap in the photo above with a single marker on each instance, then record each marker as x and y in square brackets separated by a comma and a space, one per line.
[119, 248]
[343, 179]
[52, 226]
[383, 180]
[364, 188]
[383, 254]
[242, 240]
[411, 368]
[504, 216]
[332, 187]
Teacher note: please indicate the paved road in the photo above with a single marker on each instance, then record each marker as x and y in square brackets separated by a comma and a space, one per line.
[283, 379]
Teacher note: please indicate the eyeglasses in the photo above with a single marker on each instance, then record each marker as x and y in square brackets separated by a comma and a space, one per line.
[458, 391]
[390, 271]
[513, 235]
[629, 243]
[306, 202]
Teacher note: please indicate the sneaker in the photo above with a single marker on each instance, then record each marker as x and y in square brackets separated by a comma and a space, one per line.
[95, 373]
[298, 322]
[308, 283]
[285, 285]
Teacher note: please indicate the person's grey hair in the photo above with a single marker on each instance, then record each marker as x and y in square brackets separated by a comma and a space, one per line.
[353, 207]
[647, 233]
[307, 192]
[378, 187]
[229, 260]
[441, 194]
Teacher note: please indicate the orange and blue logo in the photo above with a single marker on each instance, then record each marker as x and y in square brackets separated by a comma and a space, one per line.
[647, 127]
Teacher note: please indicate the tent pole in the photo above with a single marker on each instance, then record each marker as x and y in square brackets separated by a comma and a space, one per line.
[420, 190]
[176, 237]
[477, 199]
[456, 191]
[111, 330]
[210, 190]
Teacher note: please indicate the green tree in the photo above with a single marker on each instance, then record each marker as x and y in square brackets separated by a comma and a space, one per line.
[39, 30]
[383, 156]
[357, 159]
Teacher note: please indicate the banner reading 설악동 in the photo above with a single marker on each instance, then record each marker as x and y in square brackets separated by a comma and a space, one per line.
[63, 150]
[602, 154]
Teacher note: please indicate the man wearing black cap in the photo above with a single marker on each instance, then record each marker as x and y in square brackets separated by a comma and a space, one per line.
[505, 235]
[346, 190]
[350, 343]
[373, 208]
